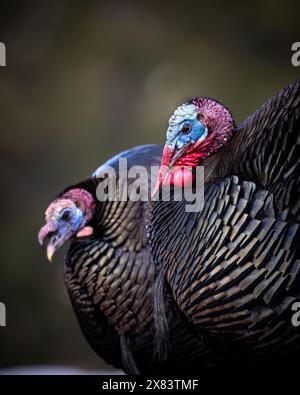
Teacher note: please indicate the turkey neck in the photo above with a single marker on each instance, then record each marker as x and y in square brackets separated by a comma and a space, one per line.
[114, 265]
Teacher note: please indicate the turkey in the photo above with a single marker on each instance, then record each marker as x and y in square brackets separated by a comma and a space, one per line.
[109, 274]
[233, 268]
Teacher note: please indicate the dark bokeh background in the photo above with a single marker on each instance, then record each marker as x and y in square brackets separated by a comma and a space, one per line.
[85, 80]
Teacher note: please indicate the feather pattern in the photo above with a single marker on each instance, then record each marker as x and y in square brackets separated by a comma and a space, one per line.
[234, 268]
[110, 279]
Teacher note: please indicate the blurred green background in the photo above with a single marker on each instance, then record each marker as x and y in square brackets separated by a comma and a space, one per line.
[85, 80]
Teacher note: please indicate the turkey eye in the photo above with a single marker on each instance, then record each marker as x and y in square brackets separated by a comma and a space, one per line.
[66, 216]
[200, 117]
[186, 129]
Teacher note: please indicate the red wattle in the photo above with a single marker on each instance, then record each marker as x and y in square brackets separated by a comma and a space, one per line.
[180, 177]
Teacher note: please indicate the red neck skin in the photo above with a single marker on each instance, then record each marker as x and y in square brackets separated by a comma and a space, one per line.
[220, 124]
[182, 172]
[193, 158]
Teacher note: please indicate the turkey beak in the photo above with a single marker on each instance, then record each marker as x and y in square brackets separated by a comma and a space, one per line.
[178, 153]
[169, 158]
[49, 231]
[50, 251]
[164, 168]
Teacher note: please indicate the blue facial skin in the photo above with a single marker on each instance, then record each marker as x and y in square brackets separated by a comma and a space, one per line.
[69, 221]
[197, 131]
